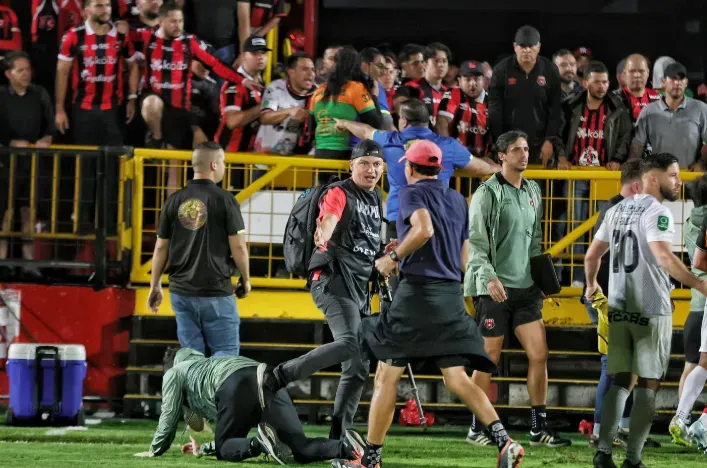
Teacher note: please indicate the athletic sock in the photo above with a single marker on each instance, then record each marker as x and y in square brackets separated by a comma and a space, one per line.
[475, 426]
[372, 455]
[614, 402]
[498, 433]
[538, 415]
[626, 418]
[595, 431]
[641, 422]
[694, 384]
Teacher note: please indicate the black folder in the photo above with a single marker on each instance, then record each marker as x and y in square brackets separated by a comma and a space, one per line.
[543, 272]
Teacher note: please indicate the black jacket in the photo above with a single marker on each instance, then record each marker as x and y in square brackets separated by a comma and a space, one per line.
[617, 128]
[528, 102]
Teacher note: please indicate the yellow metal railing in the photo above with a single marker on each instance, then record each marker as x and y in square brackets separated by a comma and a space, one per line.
[266, 187]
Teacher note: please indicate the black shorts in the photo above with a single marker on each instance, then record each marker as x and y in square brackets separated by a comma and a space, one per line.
[176, 124]
[524, 305]
[691, 337]
[442, 362]
[96, 127]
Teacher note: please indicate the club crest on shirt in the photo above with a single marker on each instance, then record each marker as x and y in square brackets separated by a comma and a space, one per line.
[541, 80]
[192, 214]
[489, 323]
[512, 81]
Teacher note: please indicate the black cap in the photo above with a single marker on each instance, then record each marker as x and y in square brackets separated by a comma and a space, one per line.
[527, 35]
[255, 43]
[471, 67]
[675, 70]
[367, 148]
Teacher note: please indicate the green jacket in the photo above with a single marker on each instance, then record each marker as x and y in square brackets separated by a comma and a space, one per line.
[199, 379]
[484, 214]
[691, 231]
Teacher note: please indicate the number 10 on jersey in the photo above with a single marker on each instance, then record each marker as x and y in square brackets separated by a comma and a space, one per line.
[619, 241]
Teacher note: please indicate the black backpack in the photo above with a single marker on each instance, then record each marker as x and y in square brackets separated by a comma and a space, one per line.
[298, 243]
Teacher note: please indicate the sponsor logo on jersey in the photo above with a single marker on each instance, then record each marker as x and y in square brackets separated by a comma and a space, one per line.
[663, 223]
[634, 318]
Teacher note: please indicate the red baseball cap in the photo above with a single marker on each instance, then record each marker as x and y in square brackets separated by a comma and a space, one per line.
[424, 153]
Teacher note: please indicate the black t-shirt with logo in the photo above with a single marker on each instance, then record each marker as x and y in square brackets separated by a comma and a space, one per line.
[197, 220]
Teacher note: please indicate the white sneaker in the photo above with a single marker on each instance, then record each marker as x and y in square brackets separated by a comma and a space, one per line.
[698, 434]
[678, 429]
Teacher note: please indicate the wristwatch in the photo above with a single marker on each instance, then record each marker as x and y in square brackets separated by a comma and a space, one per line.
[394, 256]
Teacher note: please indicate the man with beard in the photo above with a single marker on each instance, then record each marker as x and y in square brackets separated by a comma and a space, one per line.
[284, 110]
[328, 63]
[639, 231]
[567, 65]
[148, 16]
[429, 88]
[595, 132]
[675, 124]
[525, 95]
[463, 115]
[634, 94]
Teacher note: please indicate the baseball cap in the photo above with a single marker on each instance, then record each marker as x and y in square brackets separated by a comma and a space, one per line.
[675, 69]
[255, 43]
[471, 67]
[367, 148]
[423, 153]
[527, 35]
[580, 51]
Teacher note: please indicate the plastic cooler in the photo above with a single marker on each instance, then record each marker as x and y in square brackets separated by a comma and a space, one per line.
[46, 379]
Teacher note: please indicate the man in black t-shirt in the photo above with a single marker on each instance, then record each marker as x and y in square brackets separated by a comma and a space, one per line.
[201, 236]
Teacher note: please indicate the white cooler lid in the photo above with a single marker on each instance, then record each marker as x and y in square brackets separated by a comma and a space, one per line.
[67, 352]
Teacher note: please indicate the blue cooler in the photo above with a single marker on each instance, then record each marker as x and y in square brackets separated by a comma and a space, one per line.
[46, 379]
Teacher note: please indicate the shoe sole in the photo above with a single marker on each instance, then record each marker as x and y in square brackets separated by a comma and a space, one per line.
[260, 375]
[356, 441]
[678, 439]
[516, 457]
[268, 446]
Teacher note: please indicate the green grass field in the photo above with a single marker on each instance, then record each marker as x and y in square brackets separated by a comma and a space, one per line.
[114, 443]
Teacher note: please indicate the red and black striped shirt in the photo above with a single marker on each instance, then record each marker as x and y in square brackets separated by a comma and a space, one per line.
[430, 96]
[98, 62]
[238, 98]
[10, 34]
[168, 64]
[635, 105]
[262, 11]
[589, 145]
[469, 120]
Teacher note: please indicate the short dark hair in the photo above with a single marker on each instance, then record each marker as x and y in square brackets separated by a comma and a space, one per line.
[390, 57]
[13, 57]
[697, 191]
[658, 161]
[631, 171]
[504, 141]
[405, 92]
[408, 51]
[369, 54]
[167, 7]
[428, 171]
[432, 49]
[168, 358]
[291, 61]
[561, 53]
[595, 67]
[415, 112]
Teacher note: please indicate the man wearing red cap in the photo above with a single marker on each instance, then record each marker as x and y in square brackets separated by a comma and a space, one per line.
[428, 320]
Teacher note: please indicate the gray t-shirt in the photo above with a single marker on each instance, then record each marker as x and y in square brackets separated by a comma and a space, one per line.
[680, 132]
[637, 284]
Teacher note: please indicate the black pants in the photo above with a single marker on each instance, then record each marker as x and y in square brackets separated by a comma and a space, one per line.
[238, 410]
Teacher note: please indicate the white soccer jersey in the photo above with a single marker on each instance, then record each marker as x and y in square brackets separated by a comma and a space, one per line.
[636, 282]
[283, 137]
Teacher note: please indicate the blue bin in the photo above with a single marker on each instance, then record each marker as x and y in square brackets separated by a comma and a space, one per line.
[46, 380]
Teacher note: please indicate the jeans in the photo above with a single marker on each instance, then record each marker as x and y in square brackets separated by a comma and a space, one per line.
[211, 322]
[344, 318]
[227, 55]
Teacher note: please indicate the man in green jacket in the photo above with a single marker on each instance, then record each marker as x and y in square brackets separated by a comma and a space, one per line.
[504, 233]
[225, 390]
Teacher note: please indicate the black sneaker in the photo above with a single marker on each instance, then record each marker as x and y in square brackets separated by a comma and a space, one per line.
[628, 464]
[548, 438]
[266, 379]
[354, 445]
[603, 460]
[270, 444]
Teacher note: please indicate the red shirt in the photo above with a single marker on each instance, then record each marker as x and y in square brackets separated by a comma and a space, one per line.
[168, 64]
[469, 120]
[10, 34]
[263, 11]
[333, 202]
[430, 96]
[98, 61]
[589, 146]
[238, 98]
[636, 105]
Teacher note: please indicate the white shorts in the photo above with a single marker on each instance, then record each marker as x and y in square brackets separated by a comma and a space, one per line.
[703, 335]
[639, 345]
